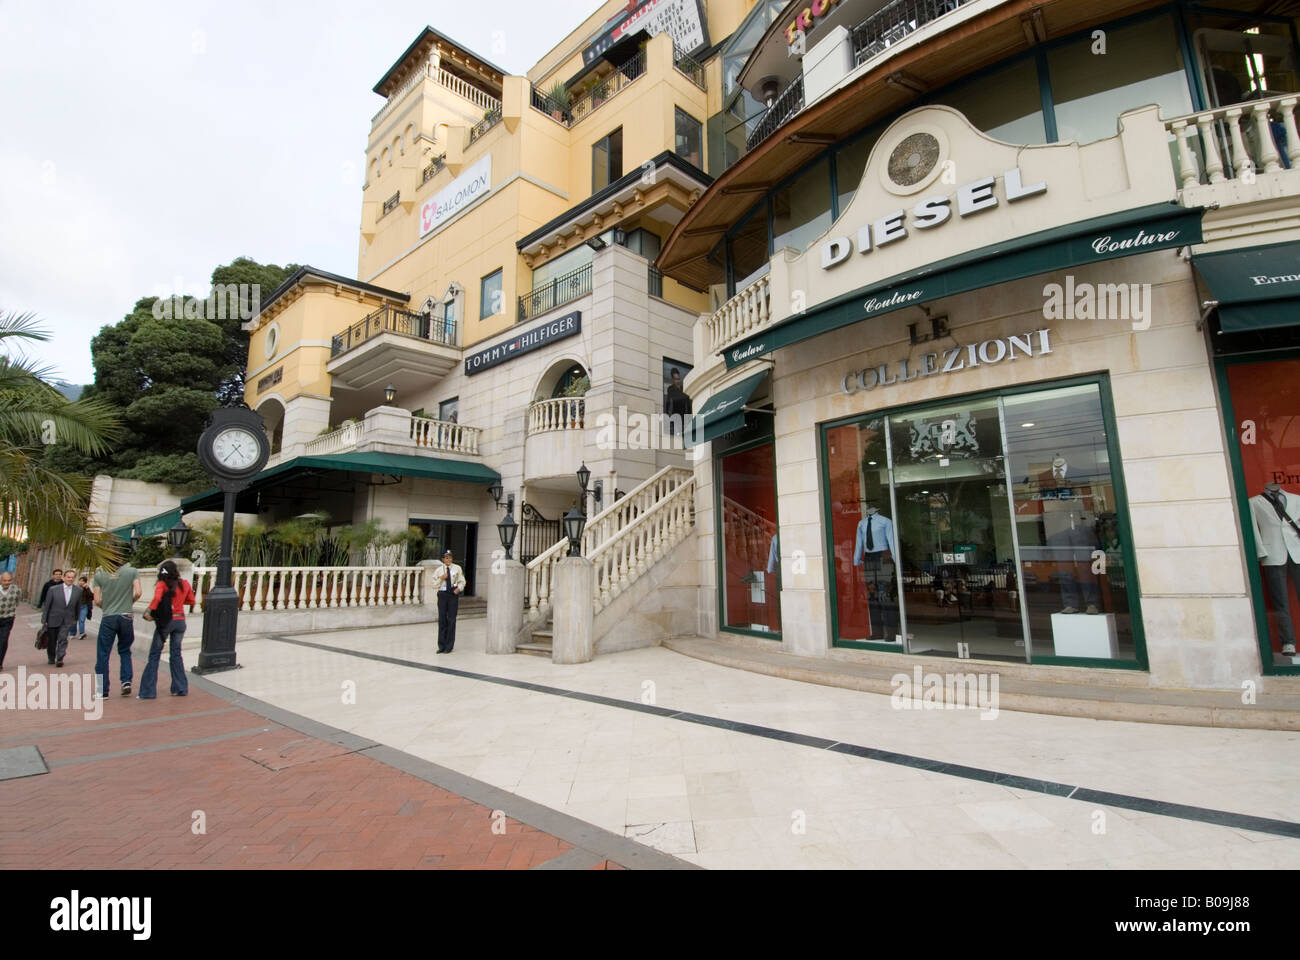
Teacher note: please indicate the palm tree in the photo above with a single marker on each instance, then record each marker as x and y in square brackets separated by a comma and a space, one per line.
[52, 506]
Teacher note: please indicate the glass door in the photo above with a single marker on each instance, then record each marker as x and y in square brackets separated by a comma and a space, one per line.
[956, 547]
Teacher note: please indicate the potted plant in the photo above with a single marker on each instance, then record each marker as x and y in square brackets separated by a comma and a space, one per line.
[578, 387]
[599, 93]
[558, 99]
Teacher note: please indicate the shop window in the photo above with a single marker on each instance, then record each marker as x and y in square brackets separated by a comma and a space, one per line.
[747, 251]
[689, 140]
[801, 212]
[1141, 64]
[850, 162]
[1005, 104]
[750, 552]
[449, 410]
[1266, 409]
[491, 296]
[1242, 59]
[607, 160]
[954, 535]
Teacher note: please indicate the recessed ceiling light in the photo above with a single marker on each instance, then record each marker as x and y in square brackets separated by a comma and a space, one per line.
[1026, 425]
[871, 463]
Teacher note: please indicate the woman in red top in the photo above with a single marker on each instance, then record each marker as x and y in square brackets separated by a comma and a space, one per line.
[168, 614]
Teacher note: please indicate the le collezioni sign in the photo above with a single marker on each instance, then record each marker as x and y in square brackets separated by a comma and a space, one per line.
[1036, 343]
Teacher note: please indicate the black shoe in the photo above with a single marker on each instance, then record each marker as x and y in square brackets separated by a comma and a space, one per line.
[126, 689]
[58, 663]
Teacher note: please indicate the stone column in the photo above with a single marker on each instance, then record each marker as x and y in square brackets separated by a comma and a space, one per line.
[571, 597]
[505, 608]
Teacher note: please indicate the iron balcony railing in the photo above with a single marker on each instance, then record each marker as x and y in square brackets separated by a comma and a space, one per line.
[490, 120]
[656, 283]
[392, 320]
[555, 292]
[432, 169]
[391, 203]
[605, 89]
[785, 106]
[891, 23]
[688, 65]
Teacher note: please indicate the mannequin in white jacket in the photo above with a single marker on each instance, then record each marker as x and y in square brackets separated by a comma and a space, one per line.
[1274, 518]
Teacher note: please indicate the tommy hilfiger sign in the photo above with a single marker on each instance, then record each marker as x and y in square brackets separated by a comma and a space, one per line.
[557, 329]
[950, 360]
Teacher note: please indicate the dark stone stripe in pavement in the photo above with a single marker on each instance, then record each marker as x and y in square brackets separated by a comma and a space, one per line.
[158, 747]
[600, 843]
[1178, 811]
[113, 726]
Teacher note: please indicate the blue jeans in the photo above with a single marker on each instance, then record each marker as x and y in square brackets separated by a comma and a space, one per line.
[174, 630]
[81, 621]
[121, 626]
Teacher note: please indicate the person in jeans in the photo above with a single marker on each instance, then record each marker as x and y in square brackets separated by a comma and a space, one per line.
[8, 610]
[114, 594]
[87, 607]
[168, 612]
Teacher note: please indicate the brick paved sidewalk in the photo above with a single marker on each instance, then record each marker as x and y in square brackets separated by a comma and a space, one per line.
[125, 791]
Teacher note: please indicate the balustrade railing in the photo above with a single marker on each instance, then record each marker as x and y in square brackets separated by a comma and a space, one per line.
[311, 588]
[483, 126]
[786, 105]
[444, 436]
[558, 413]
[746, 312]
[606, 88]
[463, 88]
[894, 21]
[1236, 142]
[689, 66]
[346, 437]
[641, 518]
[431, 171]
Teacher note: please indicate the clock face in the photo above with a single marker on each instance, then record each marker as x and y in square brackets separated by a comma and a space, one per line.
[236, 449]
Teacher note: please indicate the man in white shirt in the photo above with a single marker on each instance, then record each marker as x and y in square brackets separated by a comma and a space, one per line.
[449, 581]
[1274, 516]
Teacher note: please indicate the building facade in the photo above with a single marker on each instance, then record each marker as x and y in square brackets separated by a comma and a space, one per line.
[1001, 366]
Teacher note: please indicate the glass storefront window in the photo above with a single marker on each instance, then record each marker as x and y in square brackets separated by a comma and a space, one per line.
[1141, 64]
[850, 161]
[747, 251]
[1006, 104]
[1265, 402]
[801, 212]
[751, 568]
[982, 528]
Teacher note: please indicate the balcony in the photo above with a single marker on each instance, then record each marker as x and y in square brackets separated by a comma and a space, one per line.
[457, 85]
[554, 438]
[391, 341]
[604, 90]
[555, 293]
[391, 430]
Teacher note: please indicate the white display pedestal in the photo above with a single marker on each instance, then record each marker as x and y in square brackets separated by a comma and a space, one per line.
[1085, 635]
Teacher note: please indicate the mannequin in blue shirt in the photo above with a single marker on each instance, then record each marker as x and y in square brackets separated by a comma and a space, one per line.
[873, 550]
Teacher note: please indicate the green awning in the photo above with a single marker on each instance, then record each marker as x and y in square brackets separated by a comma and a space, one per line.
[1257, 287]
[723, 412]
[390, 464]
[149, 526]
[1141, 230]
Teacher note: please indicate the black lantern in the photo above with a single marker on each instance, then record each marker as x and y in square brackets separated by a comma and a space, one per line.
[496, 490]
[574, 521]
[135, 540]
[390, 394]
[506, 530]
[178, 536]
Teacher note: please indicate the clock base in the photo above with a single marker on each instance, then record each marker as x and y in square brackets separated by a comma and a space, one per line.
[220, 619]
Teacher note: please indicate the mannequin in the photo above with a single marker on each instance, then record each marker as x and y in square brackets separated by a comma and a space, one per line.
[873, 550]
[1274, 517]
[773, 554]
[1076, 541]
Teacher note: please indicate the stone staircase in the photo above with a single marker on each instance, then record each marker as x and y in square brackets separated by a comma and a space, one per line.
[471, 608]
[623, 542]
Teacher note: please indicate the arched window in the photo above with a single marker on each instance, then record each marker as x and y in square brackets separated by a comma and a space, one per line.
[572, 383]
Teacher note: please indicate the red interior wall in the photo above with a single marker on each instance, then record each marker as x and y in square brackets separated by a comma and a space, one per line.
[749, 479]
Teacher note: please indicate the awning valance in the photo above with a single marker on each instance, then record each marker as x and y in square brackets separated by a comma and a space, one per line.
[149, 526]
[1128, 233]
[723, 412]
[389, 464]
[1257, 287]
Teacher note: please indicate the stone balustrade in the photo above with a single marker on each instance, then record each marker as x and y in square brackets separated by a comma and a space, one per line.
[1236, 142]
[307, 588]
[746, 312]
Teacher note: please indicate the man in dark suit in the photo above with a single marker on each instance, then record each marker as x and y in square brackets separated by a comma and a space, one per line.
[56, 578]
[59, 614]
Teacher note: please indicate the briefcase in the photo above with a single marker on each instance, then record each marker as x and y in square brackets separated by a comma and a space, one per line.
[43, 638]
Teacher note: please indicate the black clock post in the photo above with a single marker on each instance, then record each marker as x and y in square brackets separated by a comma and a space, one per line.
[233, 449]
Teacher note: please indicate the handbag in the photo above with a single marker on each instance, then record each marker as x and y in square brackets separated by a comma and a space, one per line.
[43, 638]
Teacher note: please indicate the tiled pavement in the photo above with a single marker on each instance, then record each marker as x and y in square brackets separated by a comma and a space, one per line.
[200, 782]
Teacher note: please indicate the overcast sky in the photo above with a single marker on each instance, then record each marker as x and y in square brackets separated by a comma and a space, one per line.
[142, 144]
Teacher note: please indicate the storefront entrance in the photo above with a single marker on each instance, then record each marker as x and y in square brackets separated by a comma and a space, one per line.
[985, 527]
[460, 538]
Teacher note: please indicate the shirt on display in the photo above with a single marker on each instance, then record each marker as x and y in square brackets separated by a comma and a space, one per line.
[875, 535]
